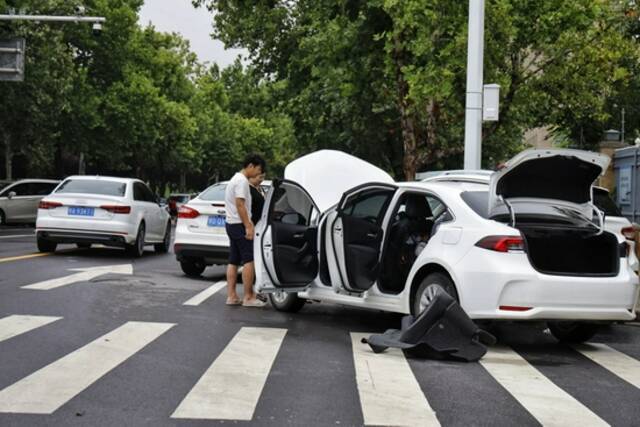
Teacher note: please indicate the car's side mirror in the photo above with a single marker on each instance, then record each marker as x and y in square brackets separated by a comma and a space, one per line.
[11, 195]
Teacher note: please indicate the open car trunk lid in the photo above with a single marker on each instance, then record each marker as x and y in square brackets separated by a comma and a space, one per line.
[327, 174]
[560, 178]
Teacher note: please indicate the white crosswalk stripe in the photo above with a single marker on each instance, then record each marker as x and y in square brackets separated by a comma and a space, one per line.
[231, 387]
[11, 326]
[618, 363]
[389, 392]
[47, 389]
[204, 295]
[547, 402]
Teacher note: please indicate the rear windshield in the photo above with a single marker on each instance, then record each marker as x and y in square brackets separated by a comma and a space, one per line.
[90, 186]
[214, 193]
[605, 203]
[179, 199]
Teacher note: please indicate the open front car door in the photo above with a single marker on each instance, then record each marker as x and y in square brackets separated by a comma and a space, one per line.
[285, 246]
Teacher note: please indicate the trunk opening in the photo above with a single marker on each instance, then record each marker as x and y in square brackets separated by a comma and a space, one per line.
[568, 252]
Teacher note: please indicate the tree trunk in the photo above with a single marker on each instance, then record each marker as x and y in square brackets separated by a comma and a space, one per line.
[407, 121]
[8, 158]
[81, 165]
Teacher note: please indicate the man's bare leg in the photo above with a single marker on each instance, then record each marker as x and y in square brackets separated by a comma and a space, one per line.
[247, 281]
[232, 281]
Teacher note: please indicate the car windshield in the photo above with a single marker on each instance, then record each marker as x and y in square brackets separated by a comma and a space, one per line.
[91, 186]
[605, 203]
[214, 193]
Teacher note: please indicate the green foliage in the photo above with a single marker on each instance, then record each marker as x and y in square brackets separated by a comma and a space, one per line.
[132, 101]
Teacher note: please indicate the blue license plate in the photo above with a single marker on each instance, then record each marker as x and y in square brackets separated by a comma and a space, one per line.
[216, 221]
[81, 211]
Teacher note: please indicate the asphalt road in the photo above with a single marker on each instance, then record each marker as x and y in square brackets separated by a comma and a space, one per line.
[124, 349]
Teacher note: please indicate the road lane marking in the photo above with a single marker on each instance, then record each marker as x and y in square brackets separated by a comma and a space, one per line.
[544, 400]
[389, 392]
[625, 367]
[20, 257]
[84, 275]
[14, 236]
[231, 386]
[16, 324]
[47, 389]
[202, 296]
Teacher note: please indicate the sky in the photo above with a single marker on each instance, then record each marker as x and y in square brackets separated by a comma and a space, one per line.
[195, 25]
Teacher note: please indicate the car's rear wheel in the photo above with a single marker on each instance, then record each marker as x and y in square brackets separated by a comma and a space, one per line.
[193, 267]
[573, 332]
[426, 291]
[163, 248]
[83, 245]
[46, 246]
[137, 248]
[287, 302]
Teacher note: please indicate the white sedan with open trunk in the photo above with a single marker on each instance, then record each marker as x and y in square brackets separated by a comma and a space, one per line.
[531, 246]
[120, 212]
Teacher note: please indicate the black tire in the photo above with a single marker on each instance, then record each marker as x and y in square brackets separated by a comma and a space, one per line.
[163, 248]
[287, 302]
[3, 218]
[573, 332]
[426, 290]
[193, 267]
[83, 245]
[46, 246]
[136, 250]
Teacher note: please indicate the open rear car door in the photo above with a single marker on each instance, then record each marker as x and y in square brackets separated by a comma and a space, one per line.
[357, 234]
[285, 245]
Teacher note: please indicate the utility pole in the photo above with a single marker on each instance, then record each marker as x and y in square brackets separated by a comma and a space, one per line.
[475, 63]
[622, 132]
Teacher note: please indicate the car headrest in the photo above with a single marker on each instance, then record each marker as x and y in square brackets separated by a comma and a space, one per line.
[417, 207]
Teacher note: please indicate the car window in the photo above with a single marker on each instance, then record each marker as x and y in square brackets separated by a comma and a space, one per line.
[291, 205]
[149, 196]
[20, 189]
[90, 186]
[214, 193]
[605, 203]
[478, 201]
[179, 199]
[42, 188]
[369, 204]
[139, 193]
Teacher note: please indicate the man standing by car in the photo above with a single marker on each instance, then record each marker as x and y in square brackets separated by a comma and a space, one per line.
[240, 230]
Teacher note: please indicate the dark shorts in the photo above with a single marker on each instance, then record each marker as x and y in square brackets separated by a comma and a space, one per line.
[240, 249]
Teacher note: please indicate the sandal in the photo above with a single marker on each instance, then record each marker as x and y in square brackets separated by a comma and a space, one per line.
[233, 301]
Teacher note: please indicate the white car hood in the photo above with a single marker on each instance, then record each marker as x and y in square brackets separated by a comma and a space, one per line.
[558, 177]
[327, 174]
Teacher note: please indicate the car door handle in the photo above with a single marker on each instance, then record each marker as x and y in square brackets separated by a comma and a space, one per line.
[372, 235]
[298, 235]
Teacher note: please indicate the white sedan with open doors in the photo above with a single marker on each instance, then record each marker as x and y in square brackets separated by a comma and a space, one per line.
[120, 212]
[526, 247]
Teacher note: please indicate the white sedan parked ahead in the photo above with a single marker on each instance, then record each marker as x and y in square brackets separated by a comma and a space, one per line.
[119, 212]
[523, 248]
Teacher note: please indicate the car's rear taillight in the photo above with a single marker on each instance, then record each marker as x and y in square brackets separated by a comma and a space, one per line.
[116, 209]
[187, 212]
[502, 243]
[629, 232]
[48, 205]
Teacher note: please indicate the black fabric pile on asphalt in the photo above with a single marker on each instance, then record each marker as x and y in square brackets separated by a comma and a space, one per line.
[443, 331]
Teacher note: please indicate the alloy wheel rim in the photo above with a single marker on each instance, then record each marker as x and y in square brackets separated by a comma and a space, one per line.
[279, 297]
[141, 241]
[429, 295]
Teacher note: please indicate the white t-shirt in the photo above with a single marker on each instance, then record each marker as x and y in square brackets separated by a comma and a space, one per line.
[237, 188]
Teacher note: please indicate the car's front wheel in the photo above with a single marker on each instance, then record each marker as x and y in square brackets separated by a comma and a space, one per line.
[427, 290]
[573, 332]
[287, 302]
[193, 267]
[46, 246]
[137, 248]
[163, 248]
